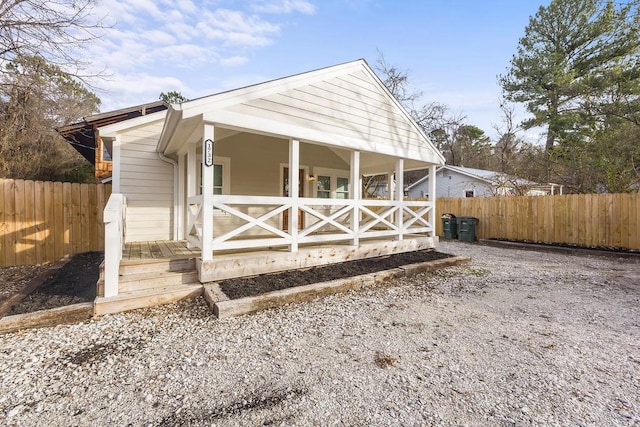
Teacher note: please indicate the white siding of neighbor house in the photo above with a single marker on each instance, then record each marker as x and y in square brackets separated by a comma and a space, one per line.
[351, 105]
[147, 182]
[452, 184]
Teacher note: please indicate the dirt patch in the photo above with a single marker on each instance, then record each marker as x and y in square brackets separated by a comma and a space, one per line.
[74, 283]
[13, 279]
[252, 286]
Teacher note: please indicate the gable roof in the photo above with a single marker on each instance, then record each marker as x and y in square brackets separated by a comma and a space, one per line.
[487, 176]
[345, 105]
[82, 136]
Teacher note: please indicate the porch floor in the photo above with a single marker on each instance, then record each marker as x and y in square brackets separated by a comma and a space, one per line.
[158, 249]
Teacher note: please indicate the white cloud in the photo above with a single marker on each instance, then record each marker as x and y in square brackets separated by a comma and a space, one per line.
[236, 29]
[159, 37]
[284, 6]
[123, 90]
[151, 40]
[234, 61]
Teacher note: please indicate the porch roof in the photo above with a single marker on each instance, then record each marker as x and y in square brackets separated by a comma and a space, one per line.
[343, 106]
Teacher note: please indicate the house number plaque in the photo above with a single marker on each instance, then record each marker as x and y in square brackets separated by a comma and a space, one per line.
[208, 153]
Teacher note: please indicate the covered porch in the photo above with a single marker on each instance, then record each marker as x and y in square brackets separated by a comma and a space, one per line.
[239, 213]
[276, 169]
[310, 197]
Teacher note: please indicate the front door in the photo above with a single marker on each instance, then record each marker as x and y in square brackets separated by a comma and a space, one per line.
[285, 193]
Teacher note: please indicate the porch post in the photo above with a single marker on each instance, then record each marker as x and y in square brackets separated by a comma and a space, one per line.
[294, 193]
[399, 196]
[356, 188]
[181, 197]
[432, 199]
[207, 194]
[191, 181]
[391, 189]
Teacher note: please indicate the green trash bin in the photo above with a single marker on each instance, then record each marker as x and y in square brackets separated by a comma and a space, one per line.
[467, 228]
[449, 226]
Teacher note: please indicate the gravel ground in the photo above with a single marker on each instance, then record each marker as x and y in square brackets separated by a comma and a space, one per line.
[513, 338]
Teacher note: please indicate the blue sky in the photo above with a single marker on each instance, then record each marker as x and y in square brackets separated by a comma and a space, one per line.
[452, 49]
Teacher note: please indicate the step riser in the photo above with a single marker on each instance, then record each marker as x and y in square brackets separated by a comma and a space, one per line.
[131, 302]
[157, 282]
[174, 265]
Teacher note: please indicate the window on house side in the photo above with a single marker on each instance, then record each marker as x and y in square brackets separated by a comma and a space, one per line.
[342, 189]
[468, 193]
[323, 187]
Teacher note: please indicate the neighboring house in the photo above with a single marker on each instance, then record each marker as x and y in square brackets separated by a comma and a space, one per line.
[457, 181]
[268, 177]
[83, 135]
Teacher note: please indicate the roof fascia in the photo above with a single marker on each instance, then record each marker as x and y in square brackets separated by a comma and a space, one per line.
[470, 175]
[172, 120]
[110, 131]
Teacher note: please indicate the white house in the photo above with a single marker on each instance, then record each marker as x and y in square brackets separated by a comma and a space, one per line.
[457, 181]
[276, 169]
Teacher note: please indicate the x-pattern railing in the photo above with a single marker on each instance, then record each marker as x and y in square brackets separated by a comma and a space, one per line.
[325, 220]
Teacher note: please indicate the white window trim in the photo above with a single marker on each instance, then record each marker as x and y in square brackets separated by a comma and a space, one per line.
[334, 174]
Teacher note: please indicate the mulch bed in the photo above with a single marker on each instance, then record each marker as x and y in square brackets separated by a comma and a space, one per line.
[252, 286]
[74, 283]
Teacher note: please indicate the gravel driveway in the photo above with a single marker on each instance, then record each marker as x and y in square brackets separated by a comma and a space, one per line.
[513, 338]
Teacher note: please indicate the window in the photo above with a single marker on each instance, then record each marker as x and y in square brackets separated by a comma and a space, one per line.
[331, 184]
[221, 175]
[217, 178]
[106, 156]
[323, 187]
[469, 193]
[342, 189]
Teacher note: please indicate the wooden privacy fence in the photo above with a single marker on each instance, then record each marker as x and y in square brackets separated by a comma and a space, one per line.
[589, 220]
[45, 221]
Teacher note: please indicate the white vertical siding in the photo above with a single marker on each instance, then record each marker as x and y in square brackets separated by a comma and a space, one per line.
[147, 182]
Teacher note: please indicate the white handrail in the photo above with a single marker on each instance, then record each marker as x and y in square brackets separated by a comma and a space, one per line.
[114, 232]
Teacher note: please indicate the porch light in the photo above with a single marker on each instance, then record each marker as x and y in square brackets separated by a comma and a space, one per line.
[312, 178]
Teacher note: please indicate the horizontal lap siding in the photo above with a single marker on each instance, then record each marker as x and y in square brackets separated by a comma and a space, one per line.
[349, 105]
[147, 182]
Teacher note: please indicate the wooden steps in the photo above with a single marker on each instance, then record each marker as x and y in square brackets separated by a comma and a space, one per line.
[149, 282]
[145, 298]
[140, 281]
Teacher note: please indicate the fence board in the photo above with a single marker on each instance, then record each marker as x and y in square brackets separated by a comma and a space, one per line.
[19, 221]
[634, 224]
[48, 222]
[29, 238]
[58, 227]
[591, 220]
[91, 217]
[39, 221]
[3, 225]
[85, 228]
[44, 221]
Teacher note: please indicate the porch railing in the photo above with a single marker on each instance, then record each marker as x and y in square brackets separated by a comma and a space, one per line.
[114, 230]
[256, 221]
